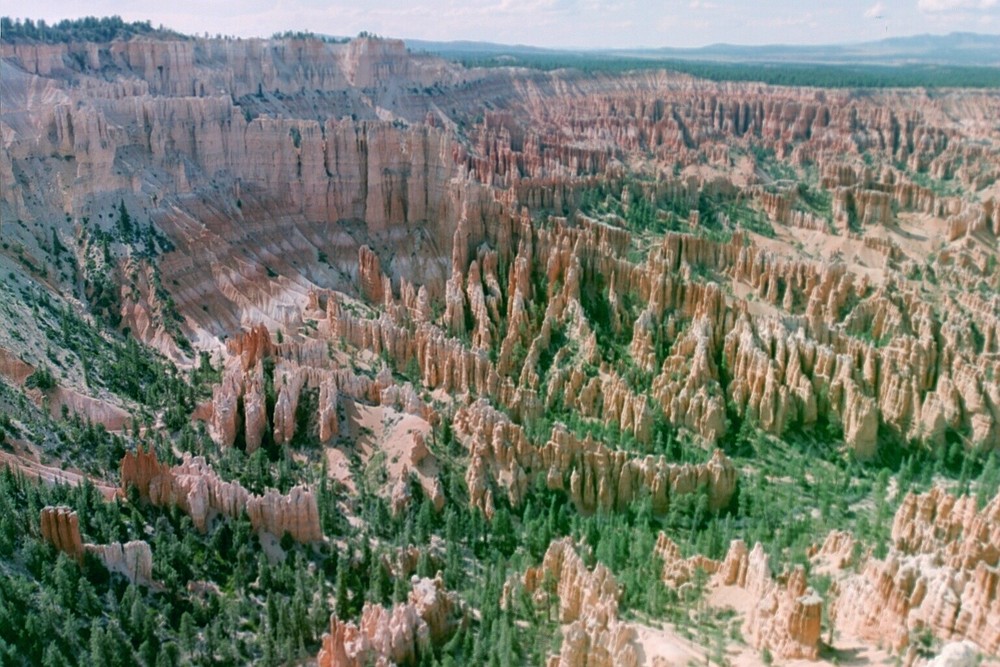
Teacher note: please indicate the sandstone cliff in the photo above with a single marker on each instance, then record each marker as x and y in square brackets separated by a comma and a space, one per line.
[60, 527]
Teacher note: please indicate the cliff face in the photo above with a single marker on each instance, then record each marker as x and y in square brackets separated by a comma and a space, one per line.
[393, 636]
[198, 491]
[198, 67]
[60, 527]
[264, 201]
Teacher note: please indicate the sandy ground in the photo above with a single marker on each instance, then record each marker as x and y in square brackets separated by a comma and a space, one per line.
[338, 468]
[663, 647]
[666, 647]
[380, 429]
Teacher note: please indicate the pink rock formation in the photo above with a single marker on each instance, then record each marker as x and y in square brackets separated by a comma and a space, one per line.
[786, 614]
[393, 636]
[787, 619]
[677, 570]
[60, 527]
[941, 576]
[197, 489]
[837, 550]
[593, 475]
[953, 527]
[451, 216]
[370, 276]
[593, 636]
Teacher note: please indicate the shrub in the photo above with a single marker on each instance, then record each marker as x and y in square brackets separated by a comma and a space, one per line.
[41, 379]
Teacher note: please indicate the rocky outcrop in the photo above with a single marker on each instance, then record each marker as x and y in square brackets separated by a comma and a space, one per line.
[133, 560]
[953, 527]
[198, 491]
[593, 635]
[370, 276]
[245, 157]
[395, 636]
[60, 527]
[837, 550]
[787, 619]
[785, 615]
[591, 474]
[941, 577]
[677, 570]
[255, 365]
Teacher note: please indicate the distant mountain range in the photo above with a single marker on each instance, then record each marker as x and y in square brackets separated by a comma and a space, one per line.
[958, 48]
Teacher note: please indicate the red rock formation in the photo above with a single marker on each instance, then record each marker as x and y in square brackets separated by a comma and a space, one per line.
[13, 369]
[785, 616]
[677, 571]
[837, 550]
[370, 276]
[393, 636]
[787, 619]
[939, 523]
[472, 202]
[60, 527]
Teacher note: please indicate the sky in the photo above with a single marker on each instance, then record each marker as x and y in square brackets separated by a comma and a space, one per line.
[553, 23]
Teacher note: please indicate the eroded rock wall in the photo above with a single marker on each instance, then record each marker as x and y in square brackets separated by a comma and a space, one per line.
[394, 636]
[196, 488]
[60, 527]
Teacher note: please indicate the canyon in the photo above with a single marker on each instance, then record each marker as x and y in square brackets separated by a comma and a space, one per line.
[429, 299]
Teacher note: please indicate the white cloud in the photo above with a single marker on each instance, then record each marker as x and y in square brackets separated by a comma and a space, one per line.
[931, 6]
[875, 11]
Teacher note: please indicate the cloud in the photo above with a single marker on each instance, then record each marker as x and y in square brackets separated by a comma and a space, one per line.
[934, 6]
[875, 11]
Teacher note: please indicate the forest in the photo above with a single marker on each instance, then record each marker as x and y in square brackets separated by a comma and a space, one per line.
[780, 74]
[87, 29]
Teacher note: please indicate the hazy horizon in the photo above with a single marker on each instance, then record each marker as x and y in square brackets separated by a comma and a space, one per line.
[560, 23]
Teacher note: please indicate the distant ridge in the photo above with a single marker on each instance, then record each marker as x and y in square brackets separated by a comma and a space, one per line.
[958, 48]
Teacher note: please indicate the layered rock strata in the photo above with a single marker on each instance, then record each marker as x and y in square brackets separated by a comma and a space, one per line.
[264, 194]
